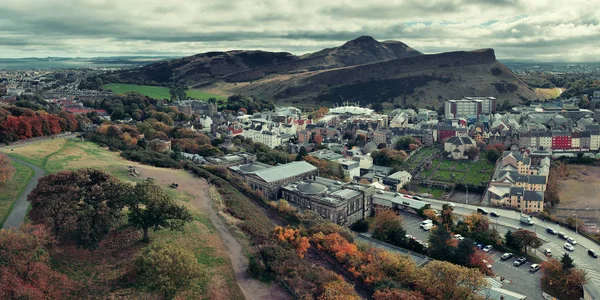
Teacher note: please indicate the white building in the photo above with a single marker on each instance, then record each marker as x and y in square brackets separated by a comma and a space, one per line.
[350, 167]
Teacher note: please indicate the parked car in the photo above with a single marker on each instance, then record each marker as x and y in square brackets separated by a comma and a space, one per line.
[569, 247]
[410, 237]
[572, 241]
[479, 246]
[459, 237]
[562, 235]
[494, 214]
[534, 268]
[551, 231]
[520, 261]
[416, 197]
[450, 204]
[506, 256]
[482, 211]
[592, 253]
[548, 252]
[487, 248]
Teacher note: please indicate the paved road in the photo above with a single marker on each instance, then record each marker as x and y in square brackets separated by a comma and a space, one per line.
[17, 214]
[510, 219]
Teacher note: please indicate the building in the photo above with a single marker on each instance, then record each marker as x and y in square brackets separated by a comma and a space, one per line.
[457, 146]
[338, 202]
[326, 154]
[469, 107]
[269, 179]
[385, 200]
[350, 167]
[229, 160]
[397, 180]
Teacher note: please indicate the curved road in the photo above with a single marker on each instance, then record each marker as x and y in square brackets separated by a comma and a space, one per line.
[17, 214]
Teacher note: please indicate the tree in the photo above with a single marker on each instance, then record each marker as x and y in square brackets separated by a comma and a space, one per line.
[387, 227]
[567, 281]
[509, 239]
[524, 239]
[6, 169]
[83, 204]
[444, 280]
[492, 155]
[301, 153]
[360, 226]
[472, 152]
[25, 271]
[294, 238]
[438, 244]
[396, 294]
[166, 268]
[463, 252]
[567, 262]
[338, 290]
[151, 207]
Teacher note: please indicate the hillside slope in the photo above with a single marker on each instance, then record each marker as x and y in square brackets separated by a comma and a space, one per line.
[362, 69]
[422, 80]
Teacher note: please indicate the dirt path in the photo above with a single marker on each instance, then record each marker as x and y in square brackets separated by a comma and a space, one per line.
[198, 188]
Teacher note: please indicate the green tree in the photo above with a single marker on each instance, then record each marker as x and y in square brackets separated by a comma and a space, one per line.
[438, 244]
[525, 239]
[509, 239]
[151, 207]
[166, 268]
[301, 153]
[567, 262]
[492, 155]
[464, 250]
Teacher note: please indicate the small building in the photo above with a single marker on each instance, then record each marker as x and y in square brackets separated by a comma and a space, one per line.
[397, 180]
[396, 201]
[350, 167]
[457, 146]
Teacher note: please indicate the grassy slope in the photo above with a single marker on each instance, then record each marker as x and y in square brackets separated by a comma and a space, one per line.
[157, 92]
[10, 190]
[99, 270]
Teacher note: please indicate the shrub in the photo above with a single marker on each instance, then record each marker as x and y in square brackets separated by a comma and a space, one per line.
[360, 226]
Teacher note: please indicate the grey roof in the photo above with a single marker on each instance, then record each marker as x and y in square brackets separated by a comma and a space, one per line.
[249, 168]
[533, 196]
[285, 171]
[311, 188]
[346, 193]
[461, 140]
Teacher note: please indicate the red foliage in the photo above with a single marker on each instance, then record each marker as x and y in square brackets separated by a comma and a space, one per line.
[29, 124]
[25, 273]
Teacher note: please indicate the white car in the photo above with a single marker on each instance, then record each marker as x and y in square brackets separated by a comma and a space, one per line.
[487, 264]
[572, 241]
[459, 237]
[487, 248]
[569, 247]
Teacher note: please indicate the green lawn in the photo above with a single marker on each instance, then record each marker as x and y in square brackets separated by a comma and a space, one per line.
[10, 190]
[480, 172]
[454, 165]
[448, 176]
[158, 92]
[436, 192]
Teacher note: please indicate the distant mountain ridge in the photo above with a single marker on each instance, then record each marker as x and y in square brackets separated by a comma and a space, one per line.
[362, 69]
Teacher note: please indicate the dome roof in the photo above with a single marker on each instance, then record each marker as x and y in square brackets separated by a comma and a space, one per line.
[311, 188]
[252, 168]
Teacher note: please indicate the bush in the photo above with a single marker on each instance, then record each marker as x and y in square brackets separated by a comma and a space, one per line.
[152, 158]
[360, 226]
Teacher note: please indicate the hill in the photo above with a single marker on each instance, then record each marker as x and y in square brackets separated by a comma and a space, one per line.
[362, 69]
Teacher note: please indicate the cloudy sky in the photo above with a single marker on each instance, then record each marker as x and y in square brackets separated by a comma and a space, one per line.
[544, 30]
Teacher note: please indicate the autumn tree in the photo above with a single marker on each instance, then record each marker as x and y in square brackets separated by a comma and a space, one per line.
[6, 169]
[396, 294]
[166, 268]
[338, 290]
[566, 281]
[478, 260]
[83, 204]
[25, 271]
[150, 207]
[472, 152]
[387, 227]
[525, 239]
[294, 238]
[444, 280]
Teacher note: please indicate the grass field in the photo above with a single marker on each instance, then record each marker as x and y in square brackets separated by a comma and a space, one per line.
[454, 165]
[480, 172]
[550, 93]
[158, 92]
[10, 190]
[99, 270]
[436, 192]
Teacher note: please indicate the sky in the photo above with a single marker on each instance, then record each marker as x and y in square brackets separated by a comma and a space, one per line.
[540, 30]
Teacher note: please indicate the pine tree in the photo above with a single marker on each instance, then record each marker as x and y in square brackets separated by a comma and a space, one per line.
[567, 262]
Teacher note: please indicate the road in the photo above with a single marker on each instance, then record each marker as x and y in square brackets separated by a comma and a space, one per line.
[17, 214]
[510, 219]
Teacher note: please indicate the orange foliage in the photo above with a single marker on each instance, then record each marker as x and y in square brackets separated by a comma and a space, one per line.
[396, 294]
[293, 236]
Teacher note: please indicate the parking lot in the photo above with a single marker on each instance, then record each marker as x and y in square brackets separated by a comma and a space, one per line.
[516, 279]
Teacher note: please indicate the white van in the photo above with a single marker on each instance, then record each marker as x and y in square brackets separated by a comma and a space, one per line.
[548, 252]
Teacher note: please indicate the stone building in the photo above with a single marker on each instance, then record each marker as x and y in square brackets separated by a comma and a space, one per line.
[339, 202]
[269, 179]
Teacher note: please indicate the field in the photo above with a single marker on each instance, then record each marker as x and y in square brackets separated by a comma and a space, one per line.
[550, 93]
[10, 190]
[99, 271]
[467, 172]
[579, 189]
[157, 92]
